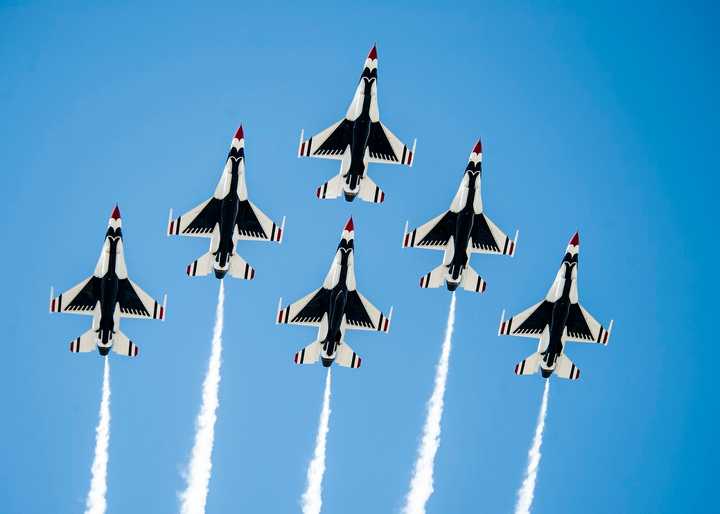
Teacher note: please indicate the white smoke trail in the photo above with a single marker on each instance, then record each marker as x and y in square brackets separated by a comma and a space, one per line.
[312, 497]
[527, 489]
[193, 499]
[96, 502]
[421, 485]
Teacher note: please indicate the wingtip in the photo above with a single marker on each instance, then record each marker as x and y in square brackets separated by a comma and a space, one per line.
[478, 147]
[240, 134]
[575, 241]
[373, 52]
[116, 213]
[350, 226]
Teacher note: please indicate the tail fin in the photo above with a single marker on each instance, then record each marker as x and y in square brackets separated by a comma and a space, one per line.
[200, 267]
[529, 366]
[124, 346]
[347, 357]
[85, 343]
[330, 189]
[566, 369]
[370, 192]
[239, 268]
[308, 355]
[472, 281]
[435, 278]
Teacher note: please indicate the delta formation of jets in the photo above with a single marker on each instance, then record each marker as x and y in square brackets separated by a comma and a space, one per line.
[337, 307]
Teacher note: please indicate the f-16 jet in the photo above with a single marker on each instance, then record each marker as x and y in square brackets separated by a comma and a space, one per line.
[226, 218]
[357, 140]
[557, 319]
[335, 308]
[107, 296]
[460, 232]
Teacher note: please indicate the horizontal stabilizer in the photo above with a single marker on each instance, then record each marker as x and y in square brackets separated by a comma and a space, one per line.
[308, 355]
[85, 343]
[330, 189]
[241, 269]
[347, 357]
[529, 366]
[565, 368]
[435, 278]
[123, 346]
[472, 281]
[200, 267]
[370, 192]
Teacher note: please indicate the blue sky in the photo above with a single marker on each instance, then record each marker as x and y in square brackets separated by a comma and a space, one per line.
[597, 118]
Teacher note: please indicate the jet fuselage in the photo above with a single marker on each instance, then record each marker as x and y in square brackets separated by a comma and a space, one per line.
[560, 312]
[358, 147]
[463, 229]
[336, 306]
[109, 286]
[229, 208]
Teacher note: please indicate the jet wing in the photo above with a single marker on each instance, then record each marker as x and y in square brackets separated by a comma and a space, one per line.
[529, 323]
[488, 238]
[328, 144]
[254, 225]
[79, 299]
[434, 234]
[581, 327]
[136, 303]
[360, 314]
[385, 147]
[307, 311]
[197, 222]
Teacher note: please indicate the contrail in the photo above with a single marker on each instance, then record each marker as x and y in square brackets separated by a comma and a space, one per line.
[421, 485]
[96, 502]
[193, 499]
[527, 489]
[312, 497]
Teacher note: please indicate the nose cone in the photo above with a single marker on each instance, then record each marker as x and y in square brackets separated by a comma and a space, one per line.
[240, 134]
[373, 53]
[115, 222]
[575, 240]
[475, 159]
[326, 362]
[350, 226]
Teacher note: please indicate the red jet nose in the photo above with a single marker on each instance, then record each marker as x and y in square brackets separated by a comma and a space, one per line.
[349, 226]
[575, 241]
[239, 134]
[373, 53]
[478, 147]
[115, 213]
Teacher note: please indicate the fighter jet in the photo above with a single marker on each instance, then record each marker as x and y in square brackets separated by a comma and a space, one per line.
[460, 232]
[107, 296]
[557, 319]
[226, 218]
[356, 140]
[335, 308]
